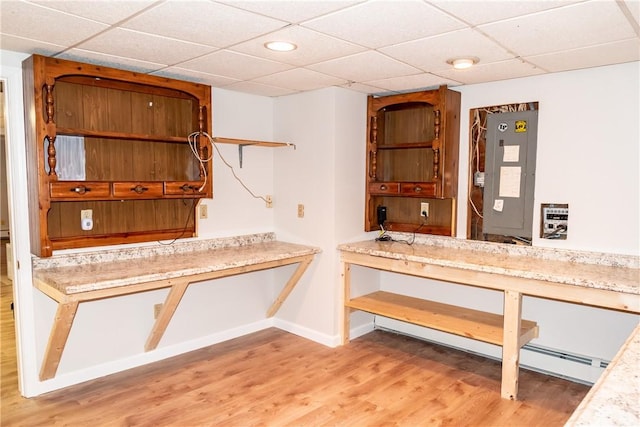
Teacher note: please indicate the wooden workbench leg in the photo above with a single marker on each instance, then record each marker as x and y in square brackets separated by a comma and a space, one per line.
[346, 288]
[293, 281]
[511, 344]
[65, 314]
[166, 313]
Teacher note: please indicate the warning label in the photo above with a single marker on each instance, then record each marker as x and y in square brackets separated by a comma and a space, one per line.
[521, 126]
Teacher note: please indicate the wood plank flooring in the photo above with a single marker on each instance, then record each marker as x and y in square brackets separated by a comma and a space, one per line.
[273, 378]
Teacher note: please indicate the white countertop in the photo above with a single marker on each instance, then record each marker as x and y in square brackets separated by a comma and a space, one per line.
[83, 272]
[614, 400]
[585, 269]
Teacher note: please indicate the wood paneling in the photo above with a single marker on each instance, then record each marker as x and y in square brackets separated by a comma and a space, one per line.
[115, 216]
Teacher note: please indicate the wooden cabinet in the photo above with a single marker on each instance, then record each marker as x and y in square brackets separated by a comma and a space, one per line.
[128, 147]
[412, 157]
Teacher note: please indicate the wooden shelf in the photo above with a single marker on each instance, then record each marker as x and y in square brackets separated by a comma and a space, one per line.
[223, 140]
[478, 325]
[405, 145]
[241, 143]
[120, 135]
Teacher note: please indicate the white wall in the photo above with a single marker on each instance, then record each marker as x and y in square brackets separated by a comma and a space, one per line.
[588, 151]
[326, 174]
[589, 157]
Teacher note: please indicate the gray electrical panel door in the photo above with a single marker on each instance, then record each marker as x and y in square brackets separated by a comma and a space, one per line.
[510, 163]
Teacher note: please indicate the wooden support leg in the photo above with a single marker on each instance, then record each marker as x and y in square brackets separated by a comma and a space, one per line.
[165, 315]
[65, 314]
[511, 344]
[346, 286]
[293, 281]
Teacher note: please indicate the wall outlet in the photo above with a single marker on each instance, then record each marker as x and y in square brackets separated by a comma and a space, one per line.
[300, 211]
[156, 310]
[269, 201]
[424, 209]
[203, 211]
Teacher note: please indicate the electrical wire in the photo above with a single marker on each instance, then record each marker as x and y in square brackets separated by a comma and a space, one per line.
[385, 237]
[227, 164]
[186, 224]
[193, 145]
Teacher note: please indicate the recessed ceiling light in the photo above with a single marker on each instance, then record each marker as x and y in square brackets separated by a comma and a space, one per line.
[462, 63]
[280, 46]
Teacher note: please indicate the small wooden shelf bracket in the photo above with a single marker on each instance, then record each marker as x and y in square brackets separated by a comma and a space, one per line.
[241, 143]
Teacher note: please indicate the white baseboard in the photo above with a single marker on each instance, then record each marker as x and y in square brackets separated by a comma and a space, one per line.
[310, 334]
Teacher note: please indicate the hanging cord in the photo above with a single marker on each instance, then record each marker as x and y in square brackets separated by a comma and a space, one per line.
[233, 172]
[186, 224]
[193, 144]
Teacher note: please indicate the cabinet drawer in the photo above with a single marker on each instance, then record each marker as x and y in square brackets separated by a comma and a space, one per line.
[182, 188]
[423, 189]
[137, 190]
[384, 188]
[79, 190]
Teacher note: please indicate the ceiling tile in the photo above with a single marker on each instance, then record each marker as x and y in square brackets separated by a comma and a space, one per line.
[633, 6]
[382, 23]
[38, 23]
[312, 46]
[106, 11]
[260, 89]
[145, 47]
[195, 76]
[235, 65]
[366, 66]
[364, 88]
[204, 22]
[570, 27]
[293, 11]
[415, 82]
[20, 44]
[300, 79]
[136, 65]
[504, 70]
[592, 56]
[476, 12]
[432, 53]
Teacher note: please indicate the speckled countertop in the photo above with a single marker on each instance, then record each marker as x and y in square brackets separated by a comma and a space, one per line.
[615, 399]
[90, 271]
[619, 273]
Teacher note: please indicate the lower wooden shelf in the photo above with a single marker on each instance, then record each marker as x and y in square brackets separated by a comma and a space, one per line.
[478, 325]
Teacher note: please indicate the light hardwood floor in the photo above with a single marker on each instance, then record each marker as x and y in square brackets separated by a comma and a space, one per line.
[273, 378]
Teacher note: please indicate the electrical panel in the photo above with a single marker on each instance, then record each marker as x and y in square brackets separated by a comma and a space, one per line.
[509, 180]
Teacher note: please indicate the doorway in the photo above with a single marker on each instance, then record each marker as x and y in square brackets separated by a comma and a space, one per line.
[4, 198]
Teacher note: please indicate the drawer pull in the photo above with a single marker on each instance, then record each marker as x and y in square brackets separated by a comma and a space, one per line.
[80, 189]
[383, 187]
[139, 189]
[417, 189]
[187, 187]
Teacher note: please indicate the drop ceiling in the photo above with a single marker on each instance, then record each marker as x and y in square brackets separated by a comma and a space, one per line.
[374, 46]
